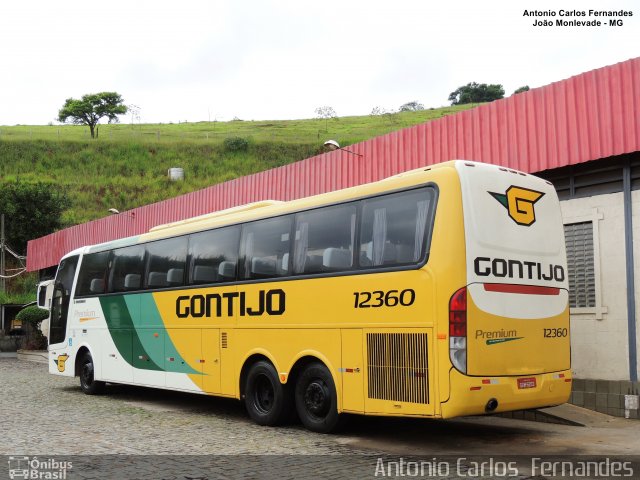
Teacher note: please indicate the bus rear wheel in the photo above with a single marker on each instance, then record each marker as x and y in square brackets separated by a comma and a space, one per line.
[316, 399]
[268, 401]
[88, 384]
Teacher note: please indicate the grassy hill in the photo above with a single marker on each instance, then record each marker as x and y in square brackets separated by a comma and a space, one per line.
[126, 166]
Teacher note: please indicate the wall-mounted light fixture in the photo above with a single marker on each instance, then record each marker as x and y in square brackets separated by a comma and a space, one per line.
[331, 145]
[115, 211]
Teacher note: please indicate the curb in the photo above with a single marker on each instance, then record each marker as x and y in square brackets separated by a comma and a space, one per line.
[39, 356]
[541, 416]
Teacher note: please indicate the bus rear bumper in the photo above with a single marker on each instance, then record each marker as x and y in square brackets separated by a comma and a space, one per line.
[481, 395]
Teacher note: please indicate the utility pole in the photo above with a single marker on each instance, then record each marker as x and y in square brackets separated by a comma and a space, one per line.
[2, 248]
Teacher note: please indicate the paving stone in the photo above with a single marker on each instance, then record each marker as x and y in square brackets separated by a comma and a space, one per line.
[163, 435]
[133, 420]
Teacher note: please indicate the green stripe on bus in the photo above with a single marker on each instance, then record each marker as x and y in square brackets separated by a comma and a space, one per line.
[119, 319]
[151, 321]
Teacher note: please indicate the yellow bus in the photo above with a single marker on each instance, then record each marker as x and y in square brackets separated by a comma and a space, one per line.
[439, 292]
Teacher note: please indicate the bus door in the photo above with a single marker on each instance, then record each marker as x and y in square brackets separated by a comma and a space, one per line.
[58, 344]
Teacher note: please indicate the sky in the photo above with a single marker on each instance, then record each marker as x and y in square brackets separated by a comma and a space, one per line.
[194, 60]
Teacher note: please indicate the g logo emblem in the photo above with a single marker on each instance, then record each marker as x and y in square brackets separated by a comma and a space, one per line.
[60, 361]
[519, 203]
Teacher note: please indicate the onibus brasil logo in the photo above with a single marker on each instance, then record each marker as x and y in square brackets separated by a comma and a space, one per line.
[519, 203]
[22, 467]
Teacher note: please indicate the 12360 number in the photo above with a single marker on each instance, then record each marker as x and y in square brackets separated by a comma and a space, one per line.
[555, 332]
[379, 298]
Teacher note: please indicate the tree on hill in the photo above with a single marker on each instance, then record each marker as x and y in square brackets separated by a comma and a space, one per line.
[475, 93]
[326, 112]
[91, 108]
[31, 210]
[413, 106]
[521, 89]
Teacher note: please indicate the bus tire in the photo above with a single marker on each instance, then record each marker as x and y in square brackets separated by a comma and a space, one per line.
[316, 399]
[87, 383]
[268, 401]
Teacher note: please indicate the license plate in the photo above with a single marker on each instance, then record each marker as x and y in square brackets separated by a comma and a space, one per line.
[526, 383]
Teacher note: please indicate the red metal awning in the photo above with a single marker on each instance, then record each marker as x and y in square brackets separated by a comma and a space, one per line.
[586, 117]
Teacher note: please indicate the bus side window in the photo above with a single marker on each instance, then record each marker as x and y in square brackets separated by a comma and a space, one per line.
[163, 257]
[324, 239]
[395, 228]
[213, 255]
[264, 246]
[92, 278]
[127, 262]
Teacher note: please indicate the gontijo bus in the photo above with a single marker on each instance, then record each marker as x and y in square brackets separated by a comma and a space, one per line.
[438, 292]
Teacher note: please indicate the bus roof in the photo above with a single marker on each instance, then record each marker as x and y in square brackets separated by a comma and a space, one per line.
[272, 208]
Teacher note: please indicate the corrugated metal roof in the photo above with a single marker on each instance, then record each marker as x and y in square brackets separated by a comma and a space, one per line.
[586, 117]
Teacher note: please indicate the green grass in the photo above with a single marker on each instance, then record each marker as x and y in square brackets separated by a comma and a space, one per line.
[20, 289]
[344, 129]
[126, 166]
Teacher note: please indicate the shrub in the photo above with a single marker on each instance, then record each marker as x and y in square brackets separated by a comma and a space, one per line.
[236, 144]
[32, 315]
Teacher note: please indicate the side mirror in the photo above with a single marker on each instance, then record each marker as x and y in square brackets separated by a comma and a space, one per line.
[45, 294]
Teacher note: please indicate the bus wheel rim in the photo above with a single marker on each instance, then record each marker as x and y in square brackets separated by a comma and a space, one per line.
[317, 398]
[264, 394]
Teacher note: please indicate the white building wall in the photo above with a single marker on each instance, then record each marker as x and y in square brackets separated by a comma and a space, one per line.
[599, 345]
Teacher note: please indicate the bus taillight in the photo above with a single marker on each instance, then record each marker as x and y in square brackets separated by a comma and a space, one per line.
[458, 329]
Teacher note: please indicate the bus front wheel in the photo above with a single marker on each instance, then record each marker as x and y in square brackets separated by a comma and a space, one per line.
[316, 399]
[88, 384]
[267, 400]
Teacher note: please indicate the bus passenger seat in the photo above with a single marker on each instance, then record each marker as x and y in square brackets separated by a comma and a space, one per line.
[131, 281]
[175, 276]
[204, 274]
[157, 279]
[334, 258]
[97, 285]
[227, 270]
